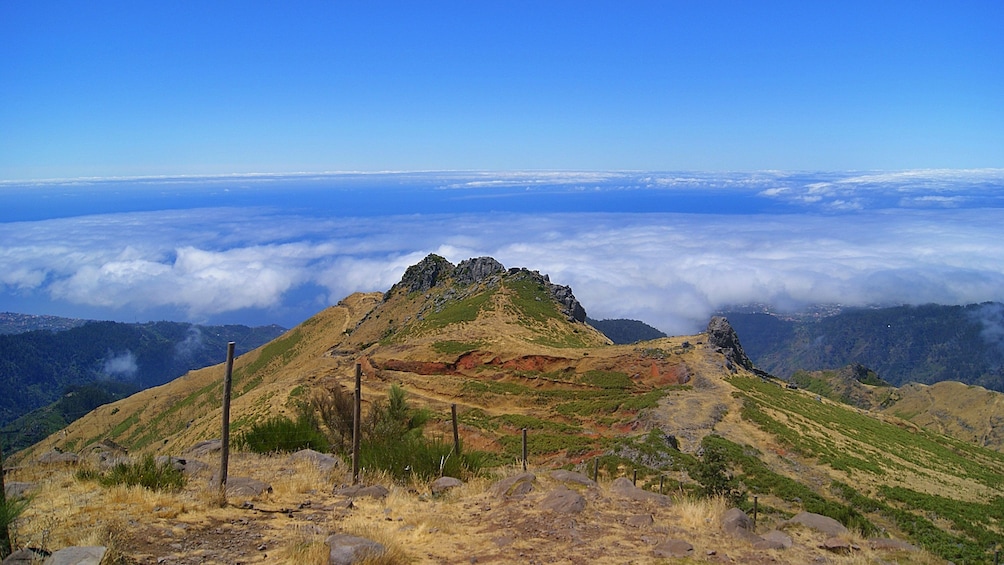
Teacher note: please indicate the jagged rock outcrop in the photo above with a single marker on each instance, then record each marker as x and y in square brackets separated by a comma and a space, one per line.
[426, 274]
[477, 269]
[722, 337]
[570, 307]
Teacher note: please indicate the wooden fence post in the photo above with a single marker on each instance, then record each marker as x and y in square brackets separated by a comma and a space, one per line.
[456, 432]
[357, 413]
[524, 449]
[225, 434]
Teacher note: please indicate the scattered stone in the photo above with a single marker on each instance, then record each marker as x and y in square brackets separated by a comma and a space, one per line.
[674, 548]
[18, 490]
[640, 520]
[443, 484]
[778, 539]
[323, 460]
[735, 520]
[563, 500]
[515, 486]
[622, 486]
[244, 486]
[566, 476]
[361, 491]
[204, 448]
[78, 555]
[185, 465]
[58, 457]
[347, 550]
[820, 523]
[26, 556]
[836, 545]
[891, 545]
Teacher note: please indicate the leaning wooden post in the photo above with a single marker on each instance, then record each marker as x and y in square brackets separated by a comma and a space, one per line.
[225, 435]
[754, 512]
[456, 432]
[357, 416]
[524, 449]
[5, 545]
[596, 469]
[662, 479]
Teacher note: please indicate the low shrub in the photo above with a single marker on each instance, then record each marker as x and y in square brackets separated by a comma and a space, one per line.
[146, 473]
[280, 434]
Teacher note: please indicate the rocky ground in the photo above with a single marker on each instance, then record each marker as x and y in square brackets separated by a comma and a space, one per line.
[284, 509]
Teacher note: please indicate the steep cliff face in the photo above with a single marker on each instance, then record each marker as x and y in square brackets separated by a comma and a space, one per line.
[722, 337]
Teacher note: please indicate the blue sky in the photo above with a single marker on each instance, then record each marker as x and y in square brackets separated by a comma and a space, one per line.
[150, 88]
[665, 159]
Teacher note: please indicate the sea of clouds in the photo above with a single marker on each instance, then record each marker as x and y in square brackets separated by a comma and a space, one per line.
[650, 246]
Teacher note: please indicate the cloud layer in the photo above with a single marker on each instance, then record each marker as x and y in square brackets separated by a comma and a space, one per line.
[858, 240]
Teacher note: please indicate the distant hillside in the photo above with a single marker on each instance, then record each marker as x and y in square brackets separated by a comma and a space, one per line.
[922, 344]
[38, 367]
[14, 323]
[623, 332]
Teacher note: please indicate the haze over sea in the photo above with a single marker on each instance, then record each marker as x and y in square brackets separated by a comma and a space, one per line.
[668, 248]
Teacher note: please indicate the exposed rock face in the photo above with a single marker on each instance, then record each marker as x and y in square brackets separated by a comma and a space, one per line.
[425, 274]
[570, 307]
[563, 500]
[722, 337]
[475, 270]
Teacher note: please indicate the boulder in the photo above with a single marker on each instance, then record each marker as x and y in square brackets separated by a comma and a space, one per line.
[836, 545]
[674, 549]
[566, 476]
[736, 523]
[245, 487]
[515, 486]
[640, 520]
[817, 522]
[185, 465]
[443, 484]
[78, 555]
[723, 338]
[777, 540]
[563, 500]
[58, 457]
[361, 491]
[204, 448]
[623, 487]
[18, 489]
[323, 460]
[348, 550]
[26, 556]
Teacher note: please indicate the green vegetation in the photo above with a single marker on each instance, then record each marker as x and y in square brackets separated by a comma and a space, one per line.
[280, 434]
[455, 347]
[393, 442]
[10, 510]
[533, 299]
[146, 473]
[607, 379]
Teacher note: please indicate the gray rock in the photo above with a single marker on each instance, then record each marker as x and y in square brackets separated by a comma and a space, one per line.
[245, 487]
[78, 555]
[622, 486]
[566, 476]
[640, 520]
[204, 448]
[723, 338]
[778, 540]
[26, 556]
[361, 491]
[323, 460]
[443, 484]
[563, 500]
[58, 457]
[674, 549]
[347, 550]
[891, 545]
[185, 465]
[477, 269]
[515, 486]
[836, 545]
[17, 489]
[817, 522]
[735, 520]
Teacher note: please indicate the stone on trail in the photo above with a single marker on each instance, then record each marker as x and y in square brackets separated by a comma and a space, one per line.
[515, 486]
[347, 550]
[817, 522]
[361, 491]
[624, 487]
[563, 500]
[777, 540]
[566, 476]
[323, 460]
[443, 484]
[79, 555]
[244, 486]
[674, 548]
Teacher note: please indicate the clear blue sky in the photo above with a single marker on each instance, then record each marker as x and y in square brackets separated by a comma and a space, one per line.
[149, 88]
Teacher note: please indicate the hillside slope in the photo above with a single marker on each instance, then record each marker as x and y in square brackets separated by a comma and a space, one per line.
[511, 350]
